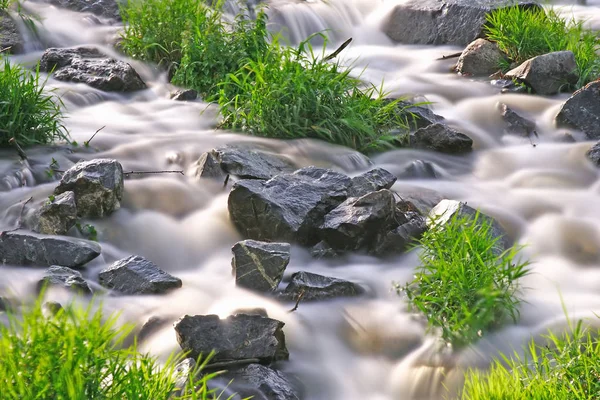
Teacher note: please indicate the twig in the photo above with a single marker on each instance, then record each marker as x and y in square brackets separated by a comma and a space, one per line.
[20, 151]
[453, 55]
[6, 48]
[226, 181]
[232, 363]
[300, 296]
[87, 143]
[153, 172]
[338, 51]
[20, 220]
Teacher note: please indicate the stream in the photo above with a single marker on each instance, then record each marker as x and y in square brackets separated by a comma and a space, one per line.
[365, 348]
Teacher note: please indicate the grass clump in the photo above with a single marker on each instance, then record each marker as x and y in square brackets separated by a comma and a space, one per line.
[75, 355]
[567, 368]
[523, 33]
[27, 113]
[464, 285]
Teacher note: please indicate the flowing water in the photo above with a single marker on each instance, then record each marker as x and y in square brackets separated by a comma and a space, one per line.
[365, 348]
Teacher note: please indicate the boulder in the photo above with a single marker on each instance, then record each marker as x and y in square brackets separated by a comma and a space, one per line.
[442, 138]
[318, 287]
[259, 266]
[437, 22]
[10, 38]
[480, 58]
[136, 275]
[90, 66]
[371, 181]
[516, 124]
[57, 215]
[185, 95]
[261, 382]
[547, 74]
[399, 239]
[593, 154]
[66, 278]
[102, 8]
[355, 222]
[288, 207]
[97, 184]
[239, 337]
[582, 111]
[20, 248]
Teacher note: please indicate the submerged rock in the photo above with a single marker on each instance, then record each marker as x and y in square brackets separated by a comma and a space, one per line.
[11, 41]
[516, 124]
[239, 337]
[480, 57]
[582, 111]
[136, 275]
[371, 181]
[420, 169]
[261, 382]
[97, 184]
[441, 138]
[549, 73]
[65, 277]
[318, 287]
[56, 216]
[259, 266]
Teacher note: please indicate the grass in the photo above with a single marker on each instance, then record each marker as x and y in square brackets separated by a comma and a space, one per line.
[523, 33]
[75, 355]
[464, 286]
[27, 113]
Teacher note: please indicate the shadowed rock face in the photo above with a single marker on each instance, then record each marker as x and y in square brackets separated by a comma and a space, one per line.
[549, 73]
[10, 39]
[259, 266]
[65, 277]
[582, 111]
[442, 138]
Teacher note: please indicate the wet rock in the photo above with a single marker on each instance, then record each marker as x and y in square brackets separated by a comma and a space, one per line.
[547, 74]
[516, 124]
[420, 169]
[593, 154]
[10, 38]
[355, 222]
[582, 111]
[288, 207]
[441, 138]
[90, 66]
[399, 240]
[261, 382]
[97, 184]
[136, 275]
[102, 8]
[185, 95]
[371, 181]
[259, 266]
[251, 311]
[509, 86]
[56, 216]
[239, 337]
[457, 22]
[480, 57]
[323, 250]
[319, 287]
[20, 248]
[422, 115]
[66, 278]
[209, 166]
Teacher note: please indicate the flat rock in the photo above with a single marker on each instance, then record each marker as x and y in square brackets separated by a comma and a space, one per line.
[288, 207]
[10, 38]
[239, 337]
[593, 154]
[136, 275]
[262, 383]
[582, 111]
[371, 181]
[56, 216]
[319, 287]
[97, 184]
[516, 124]
[24, 248]
[90, 66]
[441, 138]
[258, 265]
[480, 58]
[65, 277]
[547, 74]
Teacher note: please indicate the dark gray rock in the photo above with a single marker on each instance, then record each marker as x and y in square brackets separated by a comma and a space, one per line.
[420, 169]
[549, 73]
[10, 38]
[90, 66]
[239, 337]
[582, 111]
[102, 8]
[319, 287]
[97, 184]
[185, 95]
[354, 223]
[251, 311]
[259, 266]
[51, 308]
[136, 275]
[481, 57]
[457, 22]
[323, 250]
[20, 248]
[66, 278]
[422, 115]
[261, 382]
[248, 163]
[371, 181]
[56, 216]
[441, 138]
[516, 124]
[593, 154]
[209, 166]
[288, 207]
[398, 240]
[5, 304]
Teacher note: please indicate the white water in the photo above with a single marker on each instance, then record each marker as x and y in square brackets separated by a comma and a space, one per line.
[368, 348]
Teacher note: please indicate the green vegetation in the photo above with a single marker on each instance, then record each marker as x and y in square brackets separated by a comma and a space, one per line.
[74, 355]
[27, 113]
[523, 33]
[464, 285]
[263, 87]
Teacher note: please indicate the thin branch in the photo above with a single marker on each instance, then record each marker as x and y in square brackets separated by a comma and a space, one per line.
[453, 55]
[153, 172]
[338, 51]
[300, 296]
[20, 151]
[226, 181]
[87, 143]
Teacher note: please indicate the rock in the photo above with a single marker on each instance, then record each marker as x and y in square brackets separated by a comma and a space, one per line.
[516, 124]
[102, 8]
[51, 308]
[438, 137]
[90, 66]
[288, 207]
[319, 287]
[10, 38]
[420, 169]
[97, 184]
[398, 240]
[422, 115]
[56, 216]
[269, 383]
[20, 248]
[259, 266]
[5, 304]
[547, 74]
[185, 95]
[371, 181]
[251, 311]
[323, 250]
[239, 337]
[509, 86]
[355, 222]
[593, 154]
[209, 166]
[457, 22]
[481, 57]
[136, 275]
[64, 277]
[582, 111]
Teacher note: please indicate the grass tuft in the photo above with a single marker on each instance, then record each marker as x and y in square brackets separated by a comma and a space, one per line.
[464, 286]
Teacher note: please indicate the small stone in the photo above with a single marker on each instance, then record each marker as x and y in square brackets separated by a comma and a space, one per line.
[549, 73]
[480, 57]
[441, 138]
[269, 383]
[185, 95]
[57, 215]
[516, 124]
[209, 166]
[371, 181]
[593, 154]
[64, 277]
[318, 287]
[259, 266]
